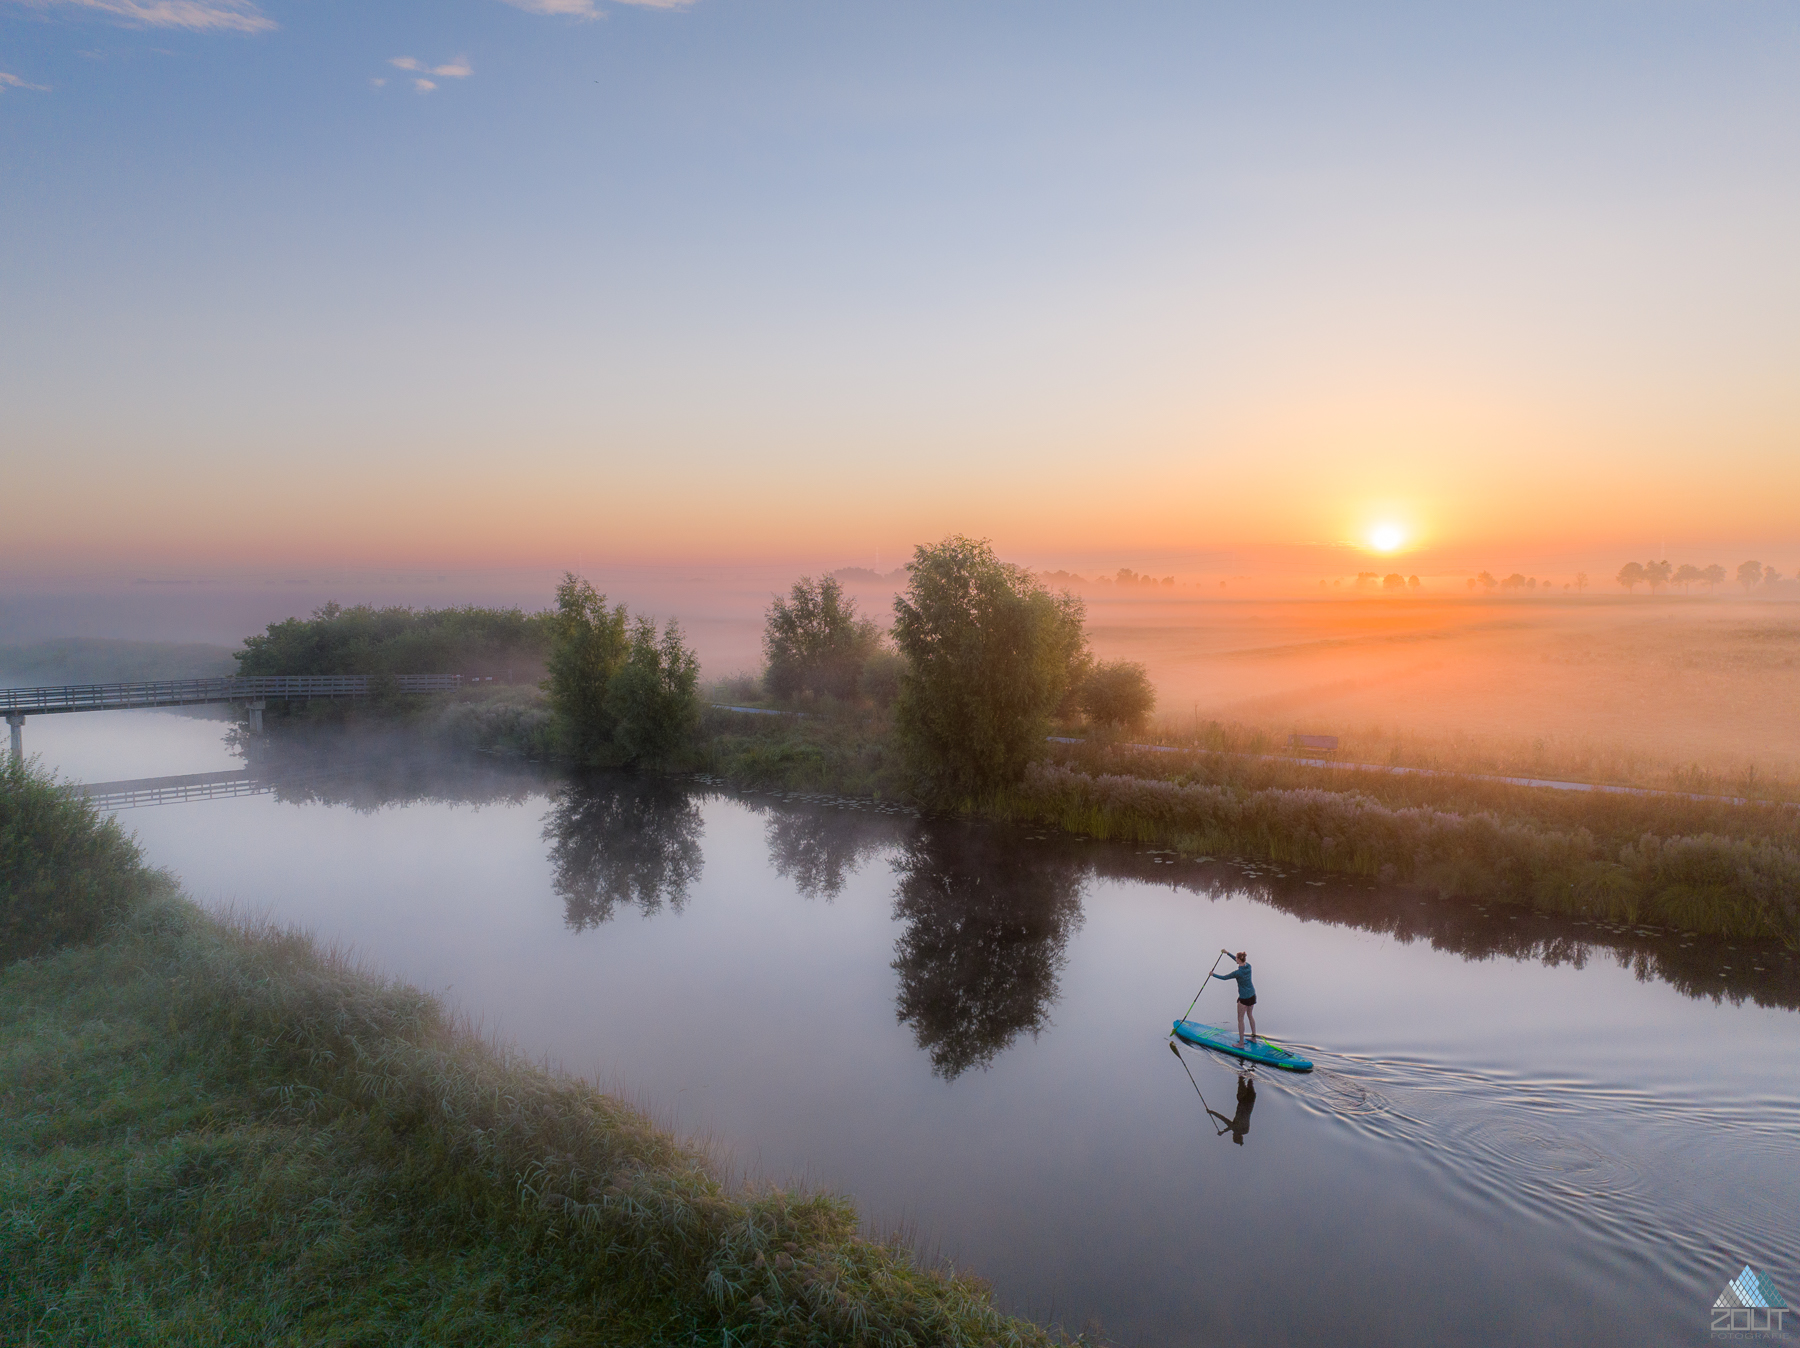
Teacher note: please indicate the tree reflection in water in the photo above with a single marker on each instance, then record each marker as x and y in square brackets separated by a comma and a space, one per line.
[621, 839]
[818, 847]
[986, 926]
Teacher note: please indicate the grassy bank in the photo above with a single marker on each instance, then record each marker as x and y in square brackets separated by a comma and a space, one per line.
[213, 1132]
[1745, 886]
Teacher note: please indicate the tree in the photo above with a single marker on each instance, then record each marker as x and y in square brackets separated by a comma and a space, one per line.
[1713, 576]
[990, 655]
[1657, 574]
[1412, 583]
[1486, 581]
[1749, 575]
[1631, 575]
[588, 646]
[1393, 582]
[652, 696]
[1686, 575]
[1581, 581]
[1118, 694]
[815, 642]
[1516, 581]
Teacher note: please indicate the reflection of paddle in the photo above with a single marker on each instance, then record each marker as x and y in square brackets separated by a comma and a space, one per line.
[1217, 1132]
[1209, 974]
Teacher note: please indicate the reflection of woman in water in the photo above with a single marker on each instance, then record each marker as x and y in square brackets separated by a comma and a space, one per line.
[1246, 993]
[1246, 1101]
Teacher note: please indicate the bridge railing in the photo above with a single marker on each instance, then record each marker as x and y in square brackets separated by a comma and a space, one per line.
[226, 688]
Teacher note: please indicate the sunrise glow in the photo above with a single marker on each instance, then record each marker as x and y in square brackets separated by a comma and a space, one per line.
[1386, 537]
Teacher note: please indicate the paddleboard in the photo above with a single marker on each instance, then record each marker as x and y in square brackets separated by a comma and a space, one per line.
[1226, 1041]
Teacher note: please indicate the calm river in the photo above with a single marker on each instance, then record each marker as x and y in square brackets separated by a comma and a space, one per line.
[1521, 1130]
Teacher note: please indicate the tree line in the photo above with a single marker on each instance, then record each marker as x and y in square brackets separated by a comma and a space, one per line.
[982, 660]
[1751, 575]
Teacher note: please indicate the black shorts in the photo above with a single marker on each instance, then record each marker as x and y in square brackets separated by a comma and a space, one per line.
[1246, 1001]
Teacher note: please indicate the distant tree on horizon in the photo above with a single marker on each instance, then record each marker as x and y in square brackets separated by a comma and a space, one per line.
[1486, 581]
[1713, 576]
[1631, 575]
[1686, 574]
[1749, 575]
[1393, 582]
[1657, 574]
[1581, 581]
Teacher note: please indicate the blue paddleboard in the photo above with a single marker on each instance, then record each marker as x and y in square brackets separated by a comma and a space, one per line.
[1226, 1041]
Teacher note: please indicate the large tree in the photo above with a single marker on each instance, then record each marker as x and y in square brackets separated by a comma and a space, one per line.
[588, 647]
[991, 654]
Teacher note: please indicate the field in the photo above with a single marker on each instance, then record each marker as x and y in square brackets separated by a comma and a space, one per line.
[1695, 694]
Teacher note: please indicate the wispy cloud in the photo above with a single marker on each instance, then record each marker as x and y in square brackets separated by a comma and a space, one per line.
[14, 82]
[587, 9]
[457, 68]
[201, 16]
[424, 86]
[580, 9]
[377, 82]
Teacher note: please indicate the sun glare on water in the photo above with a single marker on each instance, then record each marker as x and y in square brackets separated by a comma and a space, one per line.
[1386, 537]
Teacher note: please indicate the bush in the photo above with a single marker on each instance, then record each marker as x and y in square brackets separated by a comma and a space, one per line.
[1118, 694]
[881, 676]
[990, 655]
[815, 642]
[66, 874]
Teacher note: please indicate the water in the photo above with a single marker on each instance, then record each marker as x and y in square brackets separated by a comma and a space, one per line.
[1521, 1129]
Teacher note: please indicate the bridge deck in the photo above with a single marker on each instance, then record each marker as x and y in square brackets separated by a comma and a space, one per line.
[228, 688]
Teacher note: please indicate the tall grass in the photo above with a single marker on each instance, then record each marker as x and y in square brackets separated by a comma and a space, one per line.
[1731, 886]
[65, 873]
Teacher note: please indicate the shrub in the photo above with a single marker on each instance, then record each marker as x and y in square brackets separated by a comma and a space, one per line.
[1118, 694]
[881, 676]
[65, 873]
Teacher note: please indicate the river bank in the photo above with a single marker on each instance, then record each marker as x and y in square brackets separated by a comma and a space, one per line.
[217, 1129]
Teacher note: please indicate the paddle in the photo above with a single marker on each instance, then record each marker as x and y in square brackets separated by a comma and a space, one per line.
[1217, 1131]
[1209, 974]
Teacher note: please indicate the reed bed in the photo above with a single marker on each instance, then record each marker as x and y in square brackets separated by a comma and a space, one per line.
[1741, 887]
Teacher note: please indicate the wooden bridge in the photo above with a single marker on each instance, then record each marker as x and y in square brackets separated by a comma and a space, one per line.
[252, 691]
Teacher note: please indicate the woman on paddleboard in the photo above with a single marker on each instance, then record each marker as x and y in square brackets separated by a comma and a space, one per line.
[1246, 993]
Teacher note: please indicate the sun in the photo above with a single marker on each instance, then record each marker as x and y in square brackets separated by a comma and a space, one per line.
[1386, 537]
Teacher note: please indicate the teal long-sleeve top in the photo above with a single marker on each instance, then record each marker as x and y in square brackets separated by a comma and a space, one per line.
[1246, 989]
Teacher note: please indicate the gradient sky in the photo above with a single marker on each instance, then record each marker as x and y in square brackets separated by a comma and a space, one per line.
[469, 283]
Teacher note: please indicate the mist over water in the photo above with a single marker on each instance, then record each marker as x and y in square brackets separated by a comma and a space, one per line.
[1520, 1129]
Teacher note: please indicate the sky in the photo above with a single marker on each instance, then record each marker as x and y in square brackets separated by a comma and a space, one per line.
[471, 284]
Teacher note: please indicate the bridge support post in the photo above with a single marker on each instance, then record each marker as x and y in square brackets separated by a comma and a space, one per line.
[256, 706]
[16, 720]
